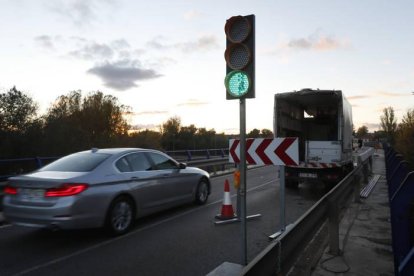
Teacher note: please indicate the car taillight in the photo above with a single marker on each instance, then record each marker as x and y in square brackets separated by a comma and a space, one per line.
[66, 190]
[8, 190]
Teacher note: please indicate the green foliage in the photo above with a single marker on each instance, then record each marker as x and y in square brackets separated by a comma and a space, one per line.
[178, 137]
[170, 130]
[74, 123]
[405, 137]
[255, 133]
[145, 139]
[362, 132]
[389, 123]
[17, 111]
[19, 126]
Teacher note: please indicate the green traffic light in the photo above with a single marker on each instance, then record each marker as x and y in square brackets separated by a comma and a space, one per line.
[237, 83]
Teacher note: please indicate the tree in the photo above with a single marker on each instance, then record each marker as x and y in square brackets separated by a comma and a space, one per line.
[405, 136]
[362, 131]
[254, 133]
[17, 111]
[186, 137]
[408, 118]
[264, 133]
[75, 123]
[145, 139]
[18, 124]
[206, 139]
[103, 118]
[170, 130]
[389, 123]
[267, 133]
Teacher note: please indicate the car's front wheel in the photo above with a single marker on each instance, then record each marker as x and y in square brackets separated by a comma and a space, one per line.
[120, 216]
[202, 192]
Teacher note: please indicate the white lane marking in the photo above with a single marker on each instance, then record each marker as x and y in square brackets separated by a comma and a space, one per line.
[5, 226]
[34, 268]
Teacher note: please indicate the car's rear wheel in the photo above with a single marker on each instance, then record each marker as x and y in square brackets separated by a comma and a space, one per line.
[202, 192]
[120, 216]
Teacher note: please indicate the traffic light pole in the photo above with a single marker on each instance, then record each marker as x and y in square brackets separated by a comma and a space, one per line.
[242, 189]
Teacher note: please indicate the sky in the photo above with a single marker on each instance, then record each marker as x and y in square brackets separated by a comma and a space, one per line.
[165, 58]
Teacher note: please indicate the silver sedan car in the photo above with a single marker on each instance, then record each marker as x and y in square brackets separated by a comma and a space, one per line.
[102, 187]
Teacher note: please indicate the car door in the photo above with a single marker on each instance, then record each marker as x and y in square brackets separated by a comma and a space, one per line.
[144, 182]
[175, 183]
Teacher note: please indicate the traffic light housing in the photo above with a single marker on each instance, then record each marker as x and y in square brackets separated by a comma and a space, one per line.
[240, 57]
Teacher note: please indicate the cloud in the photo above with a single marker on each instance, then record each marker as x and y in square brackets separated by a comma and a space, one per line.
[93, 51]
[314, 42]
[358, 97]
[85, 49]
[378, 94]
[203, 43]
[391, 94]
[193, 102]
[153, 112]
[45, 41]
[371, 126]
[191, 15]
[80, 12]
[143, 127]
[122, 75]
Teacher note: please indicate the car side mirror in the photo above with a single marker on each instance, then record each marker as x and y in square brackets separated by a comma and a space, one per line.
[182, 166]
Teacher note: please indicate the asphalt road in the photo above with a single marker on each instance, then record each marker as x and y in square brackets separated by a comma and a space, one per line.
[182, 241]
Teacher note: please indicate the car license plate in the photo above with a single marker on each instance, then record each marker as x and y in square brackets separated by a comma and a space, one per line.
[31, 194]
[308, 175]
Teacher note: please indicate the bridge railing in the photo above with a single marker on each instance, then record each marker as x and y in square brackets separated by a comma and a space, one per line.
[401, 194]
[280, 256]
[11, 167]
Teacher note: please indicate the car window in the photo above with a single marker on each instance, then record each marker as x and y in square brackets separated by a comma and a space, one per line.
[122, 165]
[77, 162]
[161, 162]
[138, 162]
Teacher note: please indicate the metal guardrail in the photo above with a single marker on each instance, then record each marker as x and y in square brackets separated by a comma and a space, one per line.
[24, 165]
[280, 256]
[401, 194]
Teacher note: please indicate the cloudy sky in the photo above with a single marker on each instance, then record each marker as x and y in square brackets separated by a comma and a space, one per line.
[164, 58]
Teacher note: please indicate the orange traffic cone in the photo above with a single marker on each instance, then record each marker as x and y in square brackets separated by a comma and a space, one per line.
[226, 209]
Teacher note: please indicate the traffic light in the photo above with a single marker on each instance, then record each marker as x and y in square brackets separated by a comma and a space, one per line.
[240, 57]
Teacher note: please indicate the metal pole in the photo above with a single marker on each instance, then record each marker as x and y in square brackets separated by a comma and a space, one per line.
[282, 198]
[238, 198]
[282, 203]
[243, 180]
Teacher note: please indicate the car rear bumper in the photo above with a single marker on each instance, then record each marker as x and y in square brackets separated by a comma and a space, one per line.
[60, 215]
